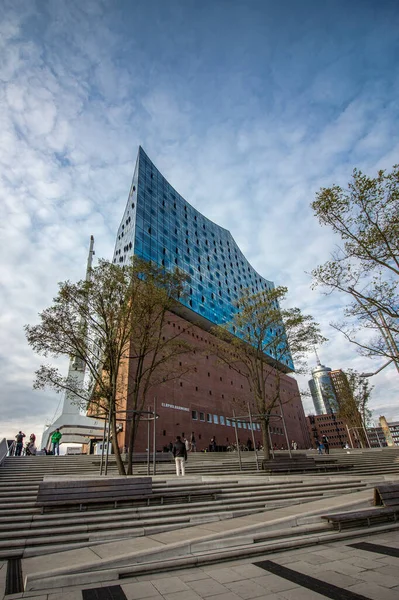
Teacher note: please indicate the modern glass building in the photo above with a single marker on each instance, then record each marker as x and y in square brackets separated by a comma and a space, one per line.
[161, 226]
[322, 390]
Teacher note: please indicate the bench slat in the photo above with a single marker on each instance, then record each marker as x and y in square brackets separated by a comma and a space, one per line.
[383, 494]
[107, 483]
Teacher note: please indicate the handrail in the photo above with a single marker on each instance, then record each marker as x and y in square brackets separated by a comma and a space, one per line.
[4, 449]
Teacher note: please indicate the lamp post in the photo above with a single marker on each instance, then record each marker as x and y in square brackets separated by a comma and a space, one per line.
[378, 370]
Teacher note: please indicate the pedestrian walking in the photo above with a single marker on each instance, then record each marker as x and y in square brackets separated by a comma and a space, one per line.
[19, 442]
[326, 444]
[55, 440]
[193, 442]
[180, 454]
[320, 446]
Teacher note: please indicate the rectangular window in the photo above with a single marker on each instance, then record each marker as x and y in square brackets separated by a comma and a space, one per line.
[228, 422]
[209, 418]
[194, 415]
[202, 416]
[216, 419]
[239, 424]
[222, 421]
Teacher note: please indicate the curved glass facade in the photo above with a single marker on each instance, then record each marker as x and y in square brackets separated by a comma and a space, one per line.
[161, 226]
[322, 390]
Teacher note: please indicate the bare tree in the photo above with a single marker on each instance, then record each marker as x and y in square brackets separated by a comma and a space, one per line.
[366, 266]
[260, 343]
[100, 322]
[353, 400]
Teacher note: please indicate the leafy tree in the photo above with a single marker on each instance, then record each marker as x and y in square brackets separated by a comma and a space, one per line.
[366, 266]
[114, 318]
[258, 344]
[353, 401]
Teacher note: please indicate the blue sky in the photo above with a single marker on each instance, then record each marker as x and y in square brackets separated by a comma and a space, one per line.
[246, 107]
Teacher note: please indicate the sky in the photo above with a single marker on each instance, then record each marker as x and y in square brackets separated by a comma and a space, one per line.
[247, 107]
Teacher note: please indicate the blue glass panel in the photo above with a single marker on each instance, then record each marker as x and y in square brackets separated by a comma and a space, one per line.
[171, 220]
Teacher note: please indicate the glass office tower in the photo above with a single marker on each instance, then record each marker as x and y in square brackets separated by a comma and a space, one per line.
[322, 390]
[161, 226]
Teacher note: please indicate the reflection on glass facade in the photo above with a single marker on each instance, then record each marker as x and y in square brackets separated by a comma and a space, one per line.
[161, 226]
[322, 390]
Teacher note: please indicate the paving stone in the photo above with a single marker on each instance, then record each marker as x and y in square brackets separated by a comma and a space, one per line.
[389, 570]
[314, 558]
[191, 595]
[229, 596]
[301, 593]
[388, 560]
[338, 579]
[194, 575]
[73, 595]
[208, 587]
[168, 585]
[342, 566]
[274, 583]
[154, 576]
[306, 568]
[365, 563]
[381, 579]
[139, 589]
[331, 554]
[247, 589]
[249, 570]
[225, 575]
[374, 591]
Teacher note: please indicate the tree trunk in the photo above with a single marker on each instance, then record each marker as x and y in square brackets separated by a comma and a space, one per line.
[118, 458]
[265, 439]
[132, 438]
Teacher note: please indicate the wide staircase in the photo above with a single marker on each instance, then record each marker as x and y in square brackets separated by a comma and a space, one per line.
[25, 531]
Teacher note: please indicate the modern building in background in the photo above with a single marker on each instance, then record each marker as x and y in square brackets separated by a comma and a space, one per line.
[340, 433]
[322, 390]
[160, 225]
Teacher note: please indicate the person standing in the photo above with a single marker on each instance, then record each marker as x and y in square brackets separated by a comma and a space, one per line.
[193, 442]
[55, 440]
[326, 444]
[186, 443]
[180, 454]
[320, 446]
[19, 442]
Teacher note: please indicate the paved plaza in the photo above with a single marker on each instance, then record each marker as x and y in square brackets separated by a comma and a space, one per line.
[362, 567]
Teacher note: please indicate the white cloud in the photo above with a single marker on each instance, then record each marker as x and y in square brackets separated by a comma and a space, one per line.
[247, 135]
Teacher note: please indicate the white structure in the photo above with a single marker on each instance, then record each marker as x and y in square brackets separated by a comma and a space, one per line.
[322, 390]
[74, 426]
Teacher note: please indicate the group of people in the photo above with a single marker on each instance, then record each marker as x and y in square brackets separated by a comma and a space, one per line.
[190, 444]
[323, 445]
[30, 446]
[243, 447]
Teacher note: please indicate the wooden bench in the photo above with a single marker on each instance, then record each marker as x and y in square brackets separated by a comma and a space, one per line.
[184, 495]
[306, 468]
[81, 492]
[113, 491]
[372, 515]
[386, 496]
